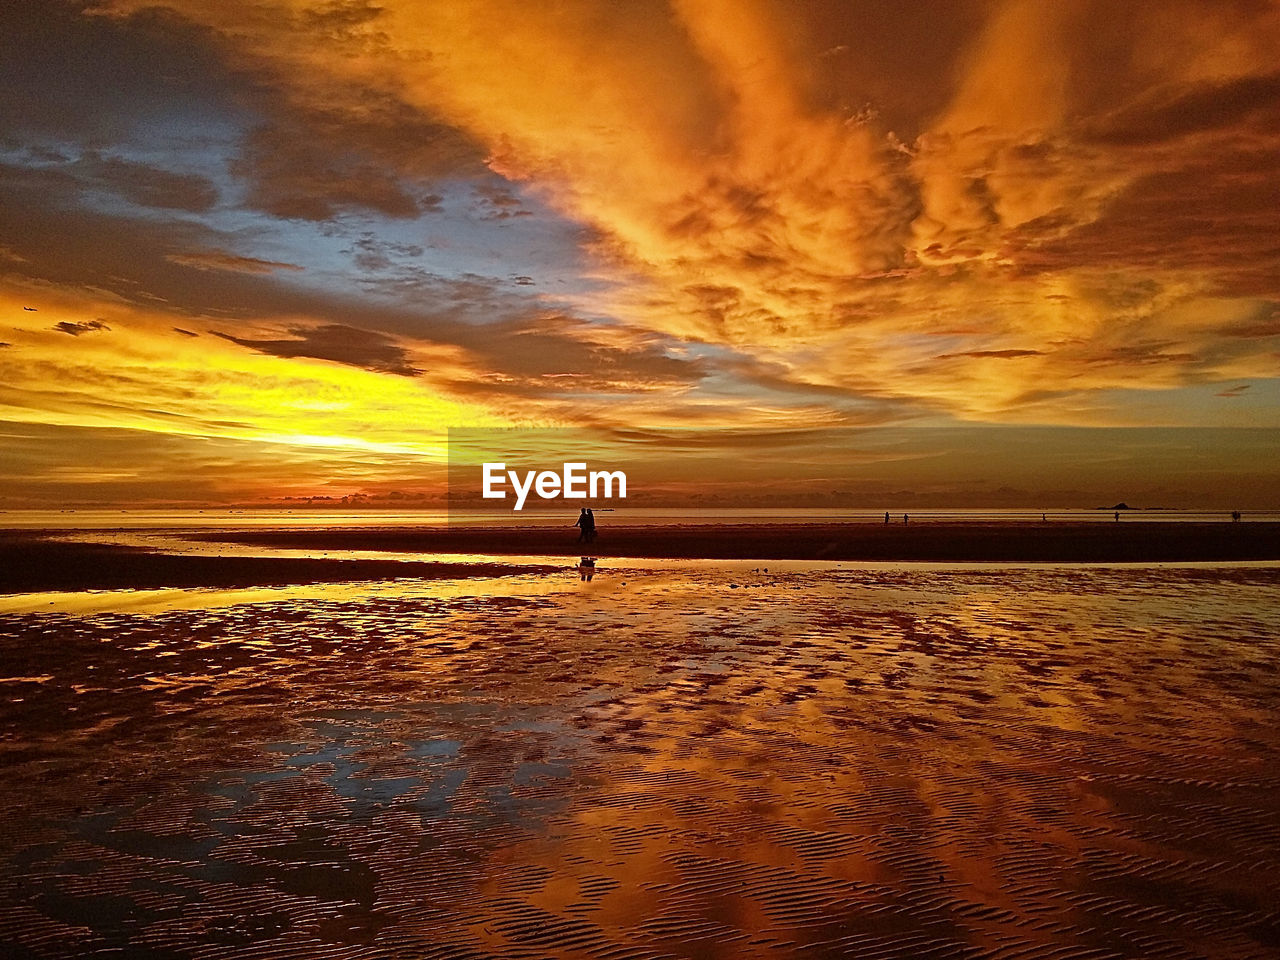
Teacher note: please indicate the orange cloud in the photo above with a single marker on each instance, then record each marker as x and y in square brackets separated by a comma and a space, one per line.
[1063, 210]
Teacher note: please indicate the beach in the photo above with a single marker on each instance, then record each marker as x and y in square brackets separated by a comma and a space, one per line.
[586, 480]
[35, 559]
[957, 541]
[43, 560]
[688, 758]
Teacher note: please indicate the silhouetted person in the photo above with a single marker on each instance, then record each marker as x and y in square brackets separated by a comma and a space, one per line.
[585, 524]
[886, 516]
[905, 518]
[1235, 516]
[591, 526]
[1117, 516]
[1043, 518]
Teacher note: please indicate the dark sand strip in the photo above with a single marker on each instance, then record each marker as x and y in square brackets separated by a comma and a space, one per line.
[1095, 542]
[29, 565]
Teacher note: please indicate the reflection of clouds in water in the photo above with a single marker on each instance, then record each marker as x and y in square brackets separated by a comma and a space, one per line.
[703, 759]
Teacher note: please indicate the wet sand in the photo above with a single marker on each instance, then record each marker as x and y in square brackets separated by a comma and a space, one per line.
[1137, 541]
[698, 763]
[29, 562]
[35, 560]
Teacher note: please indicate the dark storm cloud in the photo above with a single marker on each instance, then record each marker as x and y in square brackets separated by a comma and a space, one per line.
[300, 180]
[77, 329]
[494, 202]
[372, 255]
[1191, 108]
[67, 243]
[993, 354]
[71, 183]
[360, 150]
[337, 343]
[97, 80]
[145, 185]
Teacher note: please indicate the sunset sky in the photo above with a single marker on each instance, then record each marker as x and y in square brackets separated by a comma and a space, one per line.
[946, 251]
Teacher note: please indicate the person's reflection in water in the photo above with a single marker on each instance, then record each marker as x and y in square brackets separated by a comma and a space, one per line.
[586, 568]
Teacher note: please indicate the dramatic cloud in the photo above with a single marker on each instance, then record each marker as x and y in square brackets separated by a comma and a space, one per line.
[149, 186]
[78, 329]
[294, 177]
[341, 344]
[550, 356]
[741, 178]
[734, 215]
[1000, 354]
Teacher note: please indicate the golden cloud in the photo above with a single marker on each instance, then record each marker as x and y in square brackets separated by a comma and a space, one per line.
[735, 197]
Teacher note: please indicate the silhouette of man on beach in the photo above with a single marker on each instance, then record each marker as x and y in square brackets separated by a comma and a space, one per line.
[587, 522]
[886, 516]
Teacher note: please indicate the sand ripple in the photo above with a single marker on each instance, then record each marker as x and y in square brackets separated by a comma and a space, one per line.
[1041, 763]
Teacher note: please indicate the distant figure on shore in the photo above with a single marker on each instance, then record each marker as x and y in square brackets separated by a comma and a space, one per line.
[1235, 516]
[587, 522]
[1117, 516]
[905, 519]
[586, 568]
[1043, 518]
[886, 516]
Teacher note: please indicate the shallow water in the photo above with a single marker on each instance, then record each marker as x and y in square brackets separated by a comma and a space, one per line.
[688, 761]
[195, 520]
